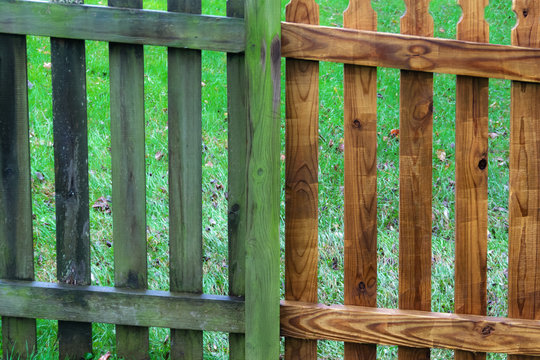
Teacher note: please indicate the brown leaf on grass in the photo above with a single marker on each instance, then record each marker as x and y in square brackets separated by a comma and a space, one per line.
[105, 356]
[394, 133]
[47, 65]
[102, 204]
[159, 155]
[441, 155]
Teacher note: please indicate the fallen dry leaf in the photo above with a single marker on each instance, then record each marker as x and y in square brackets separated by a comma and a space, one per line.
[105, 356]
[394, 133]
[441, 155]
[159, 155]
[102, 204]
[47, 65]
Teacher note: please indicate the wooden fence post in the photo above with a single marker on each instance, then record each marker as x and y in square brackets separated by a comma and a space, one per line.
[524, 203]
[16, 240]
[415, 183]
[471, 177]
[263, 59]
[301, 178]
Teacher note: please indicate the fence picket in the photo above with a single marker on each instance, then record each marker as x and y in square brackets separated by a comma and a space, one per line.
[16, 241]
[360, 201]
[128, 180]
[524, 202]
[472, 96]
[71, 183]
[237, 173]
[185, 180]
[301, 178]
[416, 127]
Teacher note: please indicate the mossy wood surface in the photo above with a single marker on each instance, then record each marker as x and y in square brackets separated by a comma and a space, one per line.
[16, 243]
[100, 23]
[121, 306]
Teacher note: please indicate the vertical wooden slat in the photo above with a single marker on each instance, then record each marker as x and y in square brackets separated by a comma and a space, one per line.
[524, 203]
[360, 220]
[237, 172]
[128, 180]
[472, 96]
[16, 240]
[416, 127]
[301, 178]
[71, 183]
[263, 71]
[185, 180]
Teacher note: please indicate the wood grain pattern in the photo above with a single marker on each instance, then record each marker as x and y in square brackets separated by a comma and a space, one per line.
[360, 201]
[472, 104]
[524, 203]
[263, 71]
[416, 133]
[128, 180]
[410, 328]
[185, 180]
[113, 305]
[301, 177]
[71, 183]
[148, 27]
[407, 52]
[16, 239]
[237, 173]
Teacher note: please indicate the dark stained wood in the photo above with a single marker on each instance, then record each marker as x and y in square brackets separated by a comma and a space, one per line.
[405, 52]
[262, 280]
[71, 183]
[237, 173]
[122, 306]
[416, 133]
[128, 181]
[472, 104]
[301, 177]
[524, 203]
[185, 180]
[360, 128]
[16, 240]
[149, 27]
[410, 328]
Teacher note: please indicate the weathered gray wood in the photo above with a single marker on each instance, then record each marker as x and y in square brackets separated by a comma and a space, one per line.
[121, 306]
[71, 183]
[237, 173]
[16, 242]
[263, 55]
[122, 25]
[128, 180]
[185, 180]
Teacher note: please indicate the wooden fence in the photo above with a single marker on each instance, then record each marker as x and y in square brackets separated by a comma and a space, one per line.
[250, 35]
[413, 327]
[250, 314]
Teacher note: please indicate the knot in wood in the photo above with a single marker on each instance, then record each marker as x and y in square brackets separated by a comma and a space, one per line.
[357, 124]
[362, 286]
[487, 330]
[482, 164]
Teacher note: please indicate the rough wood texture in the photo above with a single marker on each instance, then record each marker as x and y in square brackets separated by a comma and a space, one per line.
[123, 26]
[128, 180]
[360, 127]
[415, 130]
[71, 183]
[185, 180]
[410, 52]
[472, 104]
[263, 73]
[524, 203]
[237, 173]
[410, 328]
[16, 241]
[121, 306]
[301, 177]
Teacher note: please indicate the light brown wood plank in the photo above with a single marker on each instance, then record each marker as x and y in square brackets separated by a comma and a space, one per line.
[471, 177]
[360, 201]
[405, 52]
[410, 328]
[415, 129]
[301, 178]
[524, 203]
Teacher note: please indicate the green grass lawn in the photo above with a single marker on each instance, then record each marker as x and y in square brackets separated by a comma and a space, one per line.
[446, 14]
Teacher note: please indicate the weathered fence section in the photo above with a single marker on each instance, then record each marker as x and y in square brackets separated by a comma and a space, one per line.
[250, 34]
[414, 328]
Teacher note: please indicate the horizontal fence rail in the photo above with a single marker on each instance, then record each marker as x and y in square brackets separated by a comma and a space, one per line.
[121, 306]
[130, 26]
